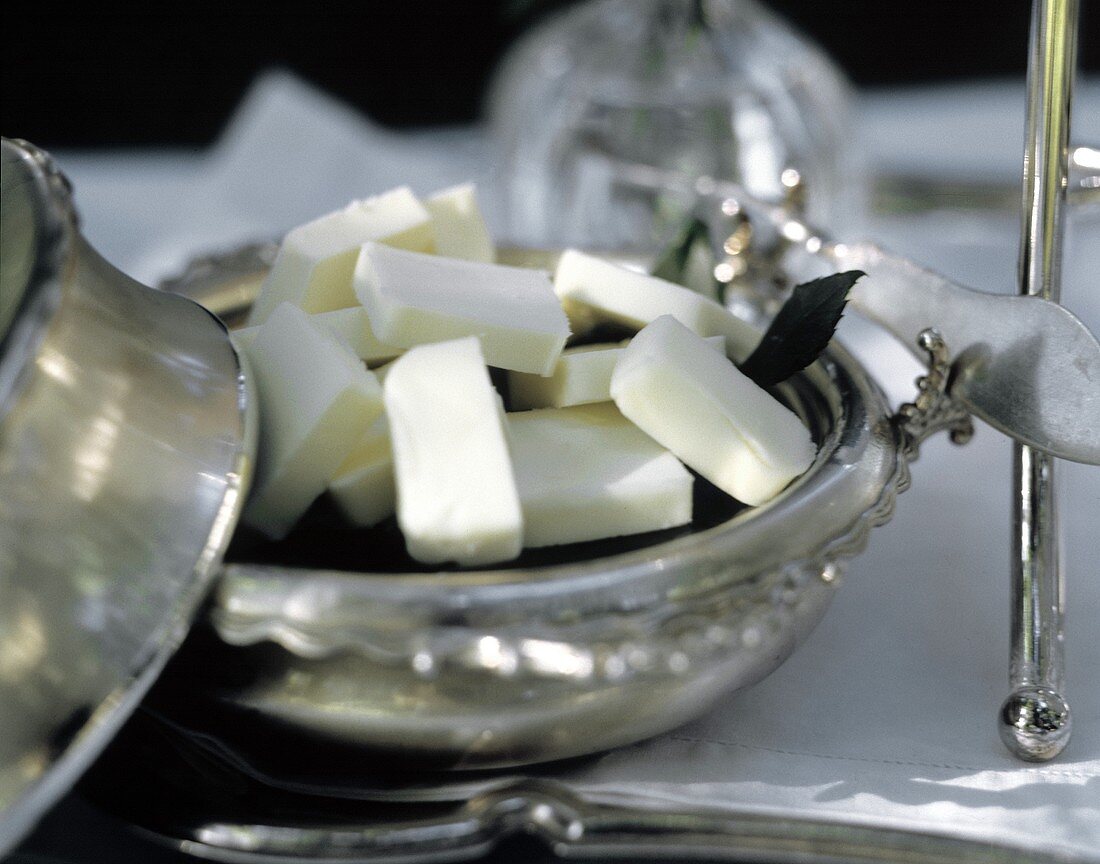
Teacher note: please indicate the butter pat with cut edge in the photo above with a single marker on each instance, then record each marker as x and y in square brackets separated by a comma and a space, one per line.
[460, 230]
[314, 265]
[363, 486]
[350, 326]
[593, 290]
[456, 493]
[316, 400]
[415, 299]
[581, 376]
[714, 418]
[586, 473]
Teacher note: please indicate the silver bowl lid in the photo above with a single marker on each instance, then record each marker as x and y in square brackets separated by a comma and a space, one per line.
[125, 447]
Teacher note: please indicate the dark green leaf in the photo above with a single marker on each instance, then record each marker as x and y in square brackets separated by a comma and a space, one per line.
[802, 328]
[672, 262]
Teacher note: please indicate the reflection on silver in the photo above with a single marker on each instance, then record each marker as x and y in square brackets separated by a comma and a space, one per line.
[576, 826]
[123, 444]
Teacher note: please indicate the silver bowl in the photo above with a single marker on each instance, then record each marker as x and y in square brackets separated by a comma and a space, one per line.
[503, 667]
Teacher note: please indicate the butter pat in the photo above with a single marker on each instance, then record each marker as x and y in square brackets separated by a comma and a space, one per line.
[592, 290]
[415, 299]
[350, 326]
[460, 230]
[581, 376]
[587, 472]
[314, 265]
[363, 486]
[316, 399]
[714, 418]
[456, 493]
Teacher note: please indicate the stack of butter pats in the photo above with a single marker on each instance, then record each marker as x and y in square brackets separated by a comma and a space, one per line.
[370, 343]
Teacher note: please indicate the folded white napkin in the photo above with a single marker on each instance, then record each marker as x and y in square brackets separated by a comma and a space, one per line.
[289, 153]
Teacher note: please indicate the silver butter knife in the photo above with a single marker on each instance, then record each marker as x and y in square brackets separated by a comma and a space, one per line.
[1025, 365]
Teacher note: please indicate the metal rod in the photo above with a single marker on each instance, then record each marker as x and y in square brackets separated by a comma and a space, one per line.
[1035, 720]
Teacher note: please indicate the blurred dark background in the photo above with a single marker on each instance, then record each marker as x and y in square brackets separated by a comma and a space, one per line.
[87, 76]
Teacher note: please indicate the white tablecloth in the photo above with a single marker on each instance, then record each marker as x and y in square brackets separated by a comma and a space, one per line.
[887, 714]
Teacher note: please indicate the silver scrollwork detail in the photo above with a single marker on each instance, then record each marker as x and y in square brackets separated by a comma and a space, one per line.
[933, 409]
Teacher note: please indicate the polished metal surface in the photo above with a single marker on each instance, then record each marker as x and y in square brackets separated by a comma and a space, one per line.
[124, 448]
[577, 826]
[484, 669]
[1035, 722]
[1026, 366]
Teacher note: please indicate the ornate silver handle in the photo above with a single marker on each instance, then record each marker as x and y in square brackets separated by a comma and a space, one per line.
[933, 409]
[575, 827]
